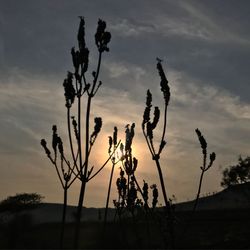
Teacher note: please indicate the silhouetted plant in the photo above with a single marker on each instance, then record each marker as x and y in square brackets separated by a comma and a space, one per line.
[75, 87]
[155, 195]
[128, 187]
[63, 174]
[148, 128]
[115, 160]
[204, 166]
[237, 174]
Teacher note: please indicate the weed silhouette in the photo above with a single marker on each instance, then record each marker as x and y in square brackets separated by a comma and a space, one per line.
[76, 87]
[148, 128]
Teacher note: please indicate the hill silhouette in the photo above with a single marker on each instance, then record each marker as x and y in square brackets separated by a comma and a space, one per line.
[233, 197]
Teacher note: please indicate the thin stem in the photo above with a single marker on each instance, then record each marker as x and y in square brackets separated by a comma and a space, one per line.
[79, 134]
[167, 206]
[107, 201]
[63, 215]
[149, 146]
[57, 171]
[84, 175]
[164, 125]
[105, 163]
[199, 191]
[70, 139]
[97, 73]
[162, 182]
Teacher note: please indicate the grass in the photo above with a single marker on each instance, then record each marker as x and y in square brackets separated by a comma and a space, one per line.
[210, 229]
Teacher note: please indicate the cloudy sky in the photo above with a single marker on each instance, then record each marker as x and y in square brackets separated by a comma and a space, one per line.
[205, 46]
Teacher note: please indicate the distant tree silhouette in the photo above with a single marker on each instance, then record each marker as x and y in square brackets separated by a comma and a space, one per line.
[237, 174]
[20, 202]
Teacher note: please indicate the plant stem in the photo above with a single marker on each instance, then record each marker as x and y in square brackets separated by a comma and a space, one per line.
[70, 138]
[63, 215]
[162, 182]
[84, 175]
[199, 191]
[107, 201]
[167, 206]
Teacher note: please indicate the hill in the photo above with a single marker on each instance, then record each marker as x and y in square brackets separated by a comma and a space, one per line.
[233, 197]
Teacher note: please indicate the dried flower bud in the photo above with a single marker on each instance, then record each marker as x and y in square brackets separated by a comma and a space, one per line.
[145, 191]
[44, 145]
[212, 157]
[75, 59]
[146, 117]
[202, 140]
[149, 99]
[60, 146]
[110, 144]
[102, 37]
[74, 123]
[149, 131]
[135, 163]
[81, 34]
[129, 136]
[115, 136]
[155, 195]
[54, 138]
[156, 118]
[69, 91]
[97, 129]
[164, 83]
[122, 148]
[84, 59]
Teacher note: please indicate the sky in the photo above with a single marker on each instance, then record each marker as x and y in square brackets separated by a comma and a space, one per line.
[205, 47]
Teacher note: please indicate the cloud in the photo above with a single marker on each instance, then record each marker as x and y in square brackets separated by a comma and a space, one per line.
[126, 28]
[206, 58]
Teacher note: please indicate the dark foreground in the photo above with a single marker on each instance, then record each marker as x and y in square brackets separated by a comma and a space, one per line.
[207, 229]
